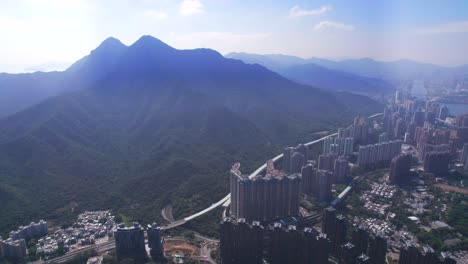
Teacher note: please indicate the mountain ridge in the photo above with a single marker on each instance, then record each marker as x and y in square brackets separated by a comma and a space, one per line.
[168, 124]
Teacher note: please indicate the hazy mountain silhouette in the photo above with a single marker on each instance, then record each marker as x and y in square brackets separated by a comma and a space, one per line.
[364, 74]
[309, 71]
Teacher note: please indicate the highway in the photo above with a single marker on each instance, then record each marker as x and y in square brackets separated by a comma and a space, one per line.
[100, 248]
[227, 199]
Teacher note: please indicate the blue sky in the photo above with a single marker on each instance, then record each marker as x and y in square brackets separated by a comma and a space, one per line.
[57, 32]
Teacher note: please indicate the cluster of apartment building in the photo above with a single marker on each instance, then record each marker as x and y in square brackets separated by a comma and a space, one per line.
[277, 193]
[242, 242]
[130, 241]
[89, 227]
[380, 152]
[437, 162]
[358, 130]
[33, 230]
[14, 248]
[363, 247]
[338, 145]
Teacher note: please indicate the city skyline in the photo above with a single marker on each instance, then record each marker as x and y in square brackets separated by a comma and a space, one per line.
[42, 34]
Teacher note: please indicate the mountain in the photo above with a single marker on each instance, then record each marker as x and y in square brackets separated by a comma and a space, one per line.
[307, 72]
[20, 91]
[386, 71]
[151, 125]
[275, 62]
[333, 80]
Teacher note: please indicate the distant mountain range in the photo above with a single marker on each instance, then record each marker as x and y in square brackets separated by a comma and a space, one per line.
[311, 72]
[354, 75]
[133, 128]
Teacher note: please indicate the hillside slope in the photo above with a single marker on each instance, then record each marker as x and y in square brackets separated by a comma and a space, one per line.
[154, 125]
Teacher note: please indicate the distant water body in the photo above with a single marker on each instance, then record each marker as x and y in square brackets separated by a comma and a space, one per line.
[456, 109]
[419, 91]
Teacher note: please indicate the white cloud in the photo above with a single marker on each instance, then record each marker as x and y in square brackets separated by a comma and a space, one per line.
[190, 7]
[453, 27]
[155, 15]
[331, 24]
[296, 11]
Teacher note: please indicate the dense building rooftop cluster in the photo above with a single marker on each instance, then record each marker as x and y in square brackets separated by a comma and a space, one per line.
[89, 227]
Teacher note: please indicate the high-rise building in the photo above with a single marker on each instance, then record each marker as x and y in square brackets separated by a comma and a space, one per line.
[399, 128]
[338, 145]
[398, 97]
[241, 242]
[308, 182]
[130, 242]
[301, 148]
[462, 135]
[327, 142]
[377, 249]
[464, 153]
[327, 161]
[462, 120]
[443, 113]
[277, 244]
[14, 250]
[419, 117]
[297, 161]
[33, 230]
[465, 165]
[287, 154]
[323, 183]
[340, 232]
[411, 254]
[294, 158]
[316, 247]
[411, 129]
[407, 138]
[358, 130]
[2, 253]
[430, 117]
[360, 239]
[437, 162]
[400, 169]
[340, 171]
[334, 226]
[425, 148]
[348, 146]
[383, 137]
[265, 198]
[155, 241]
[380, 152]
[348, 253]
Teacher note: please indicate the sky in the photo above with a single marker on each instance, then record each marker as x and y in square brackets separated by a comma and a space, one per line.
[52, 34]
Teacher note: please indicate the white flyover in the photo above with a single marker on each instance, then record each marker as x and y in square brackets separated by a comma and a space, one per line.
[227, 199]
